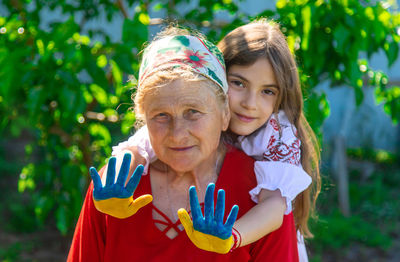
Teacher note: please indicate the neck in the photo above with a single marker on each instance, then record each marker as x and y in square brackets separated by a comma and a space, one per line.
[204, 173]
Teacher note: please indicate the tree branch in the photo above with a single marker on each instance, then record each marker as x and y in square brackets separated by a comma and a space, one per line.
[122, 8]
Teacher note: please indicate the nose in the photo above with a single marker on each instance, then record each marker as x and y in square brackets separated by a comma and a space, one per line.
[249, 100]
[178, 130]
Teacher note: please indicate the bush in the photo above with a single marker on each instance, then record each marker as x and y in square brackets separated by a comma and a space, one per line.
[64, 88]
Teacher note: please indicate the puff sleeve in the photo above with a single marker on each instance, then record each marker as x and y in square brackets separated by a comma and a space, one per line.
[289, 179]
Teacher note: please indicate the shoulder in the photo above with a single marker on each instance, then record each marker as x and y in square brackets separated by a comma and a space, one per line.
[233, 153]
[236, 158]
[280, 122]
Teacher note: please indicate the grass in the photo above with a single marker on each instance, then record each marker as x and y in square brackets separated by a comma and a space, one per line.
[374, 224]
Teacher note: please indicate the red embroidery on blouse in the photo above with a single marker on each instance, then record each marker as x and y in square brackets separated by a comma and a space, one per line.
[274, 124]
[279, 151]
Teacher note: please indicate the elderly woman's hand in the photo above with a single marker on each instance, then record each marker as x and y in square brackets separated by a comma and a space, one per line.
[116, 199]
[209, 232]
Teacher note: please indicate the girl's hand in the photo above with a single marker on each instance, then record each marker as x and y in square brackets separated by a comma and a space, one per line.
[116, 199]
[209, 232]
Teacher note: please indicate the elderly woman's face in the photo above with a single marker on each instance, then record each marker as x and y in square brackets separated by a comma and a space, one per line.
[185, 121]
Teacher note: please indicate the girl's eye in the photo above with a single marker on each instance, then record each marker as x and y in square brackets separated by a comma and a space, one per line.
[237, 83]
[268, 92]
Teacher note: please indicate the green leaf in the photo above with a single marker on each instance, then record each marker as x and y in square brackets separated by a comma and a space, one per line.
[134, 32]
[316, 109]
[306, 14]
[301, 2]
[281, 4]
[158, 7]
[68, 101]
[127, 122]
[61, 218]
[43, 206]
[36, 96]
[341, 35]
[117, 75]
[291, 40]
[392, 52]
[217, 7]
[369, 13]
[384, 17]
[391, 99]
[99, 94]
[354, 74]
[144, 18]
[101, 61]
[359, 95]
[124, 61]
[101, 132]
[26, 178]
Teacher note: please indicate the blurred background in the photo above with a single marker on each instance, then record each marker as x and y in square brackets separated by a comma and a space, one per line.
[65, 100]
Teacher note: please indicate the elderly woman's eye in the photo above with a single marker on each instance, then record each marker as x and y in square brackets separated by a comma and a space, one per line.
[192, 113]
[161, 116]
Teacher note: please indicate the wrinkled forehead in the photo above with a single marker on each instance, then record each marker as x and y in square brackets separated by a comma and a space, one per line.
[181, 94]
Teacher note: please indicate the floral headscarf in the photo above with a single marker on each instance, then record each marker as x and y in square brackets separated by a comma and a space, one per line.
[185, 51]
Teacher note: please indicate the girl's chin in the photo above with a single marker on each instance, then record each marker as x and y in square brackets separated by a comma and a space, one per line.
[242, 131]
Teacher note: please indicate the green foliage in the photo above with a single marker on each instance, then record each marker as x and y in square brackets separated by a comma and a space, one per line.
[336, 232]
[375, 156]
[331, 40]
[11, 253]
[373, 199]
[71, 93]
[62, 88]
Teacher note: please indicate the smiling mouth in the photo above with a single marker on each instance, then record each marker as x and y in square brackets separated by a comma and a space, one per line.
[181, 149]
[243, 118]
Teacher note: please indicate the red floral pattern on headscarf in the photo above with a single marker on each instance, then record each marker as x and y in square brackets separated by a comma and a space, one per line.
[196, 58]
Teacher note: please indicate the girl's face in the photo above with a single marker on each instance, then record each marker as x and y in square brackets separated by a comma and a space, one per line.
[253, 91]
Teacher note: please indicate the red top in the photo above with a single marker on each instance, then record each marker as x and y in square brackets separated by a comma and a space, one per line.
[100, 237]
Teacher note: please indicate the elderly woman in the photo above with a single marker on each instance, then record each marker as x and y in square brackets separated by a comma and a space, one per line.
[181, 97]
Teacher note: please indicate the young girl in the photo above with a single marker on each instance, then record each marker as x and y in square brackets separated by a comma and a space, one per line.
[267, 123]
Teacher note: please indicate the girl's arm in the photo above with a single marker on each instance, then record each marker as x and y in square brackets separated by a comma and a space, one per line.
[280, 177]
[262, 219]
[278, 184]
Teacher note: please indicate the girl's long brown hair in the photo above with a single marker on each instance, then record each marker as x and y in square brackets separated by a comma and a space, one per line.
[263, 39]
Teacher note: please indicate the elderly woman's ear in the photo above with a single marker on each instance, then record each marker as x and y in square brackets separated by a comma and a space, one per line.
[226, 117]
